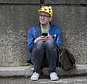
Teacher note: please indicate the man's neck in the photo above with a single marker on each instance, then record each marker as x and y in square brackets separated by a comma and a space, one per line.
[45, 26]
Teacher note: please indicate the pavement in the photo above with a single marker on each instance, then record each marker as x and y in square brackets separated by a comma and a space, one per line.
[26, 71]
[62, 80]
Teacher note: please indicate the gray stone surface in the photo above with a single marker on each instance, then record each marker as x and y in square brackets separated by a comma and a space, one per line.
[46, 1]
[45, 80]
[16, 71]
[21, 1]
[27, 71]
[14, 22]
[73, 21]
[66, 1]
[16, 19]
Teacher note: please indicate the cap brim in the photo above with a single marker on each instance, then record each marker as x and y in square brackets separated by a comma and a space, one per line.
[43, 12]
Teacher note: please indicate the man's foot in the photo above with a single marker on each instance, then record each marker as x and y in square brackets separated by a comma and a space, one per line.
[35, 76]
[53, 76]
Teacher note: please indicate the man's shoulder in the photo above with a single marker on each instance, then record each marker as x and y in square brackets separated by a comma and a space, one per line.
[55, 27]
[32, 27]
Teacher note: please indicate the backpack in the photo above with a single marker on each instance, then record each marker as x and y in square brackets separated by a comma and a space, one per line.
[66, 59]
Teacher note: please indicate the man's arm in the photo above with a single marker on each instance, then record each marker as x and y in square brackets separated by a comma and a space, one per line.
[30, 40]
[59, 39]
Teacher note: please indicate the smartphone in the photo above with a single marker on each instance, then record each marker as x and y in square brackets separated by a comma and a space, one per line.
[44, 34]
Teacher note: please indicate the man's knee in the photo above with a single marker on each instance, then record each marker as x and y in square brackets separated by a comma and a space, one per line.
[39, 44]
[49, 43]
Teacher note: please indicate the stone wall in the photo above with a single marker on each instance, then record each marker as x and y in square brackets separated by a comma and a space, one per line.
[16, 16]
[14, 22]
[77, 2]
[73, 21]
[21, 1]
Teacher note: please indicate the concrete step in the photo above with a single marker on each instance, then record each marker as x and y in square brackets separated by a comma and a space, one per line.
[62, 80]
[28, 70]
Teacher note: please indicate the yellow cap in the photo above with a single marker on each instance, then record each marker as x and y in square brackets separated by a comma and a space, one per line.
[46, 9]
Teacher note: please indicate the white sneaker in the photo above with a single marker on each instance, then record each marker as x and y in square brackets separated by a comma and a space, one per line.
[53, 76]
[35, 76]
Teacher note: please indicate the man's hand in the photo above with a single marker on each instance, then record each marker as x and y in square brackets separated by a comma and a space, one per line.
[40, 38]
[43, 38]
[49, 37]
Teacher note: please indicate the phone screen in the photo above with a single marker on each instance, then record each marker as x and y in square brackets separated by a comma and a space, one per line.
[44, 34]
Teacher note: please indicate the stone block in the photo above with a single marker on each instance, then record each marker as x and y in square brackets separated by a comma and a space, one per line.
[14, 22]
[21, 1]
[66, 1]
[73, 21]
[16, 19]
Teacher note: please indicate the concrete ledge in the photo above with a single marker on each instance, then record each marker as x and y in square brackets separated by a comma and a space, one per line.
[16, 71]
[27, 71]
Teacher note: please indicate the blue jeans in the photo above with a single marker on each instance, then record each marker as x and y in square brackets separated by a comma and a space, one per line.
[42, 53]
